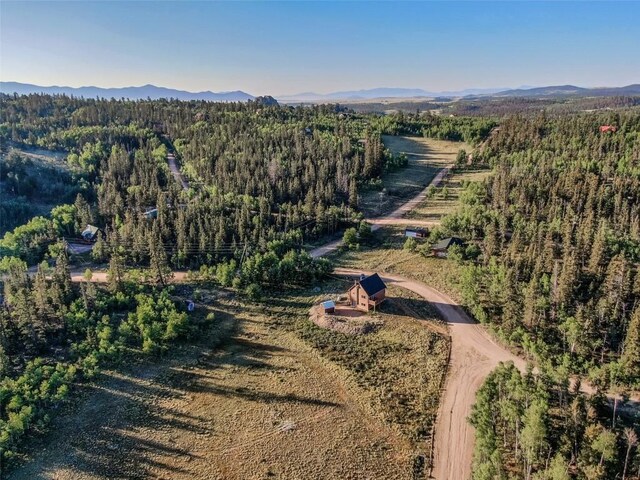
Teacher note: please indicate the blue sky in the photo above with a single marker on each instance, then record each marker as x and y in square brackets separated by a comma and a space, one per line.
[291, 47]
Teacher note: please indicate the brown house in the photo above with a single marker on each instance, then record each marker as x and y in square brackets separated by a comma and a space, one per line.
[367, 293]
[441, 249]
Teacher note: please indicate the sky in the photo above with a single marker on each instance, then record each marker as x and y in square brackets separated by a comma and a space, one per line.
[291, 47]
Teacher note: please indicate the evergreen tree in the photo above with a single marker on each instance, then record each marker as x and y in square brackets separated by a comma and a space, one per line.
[158, 262]
[630, 359]
[116, 270]
[61, 277]
[41, 294]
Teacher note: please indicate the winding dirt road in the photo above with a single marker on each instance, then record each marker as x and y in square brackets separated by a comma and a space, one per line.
[474, 354]
[394, 218]
[175, 171]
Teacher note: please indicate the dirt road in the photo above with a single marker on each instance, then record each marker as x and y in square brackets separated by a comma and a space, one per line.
[394, 218]
[175, 171]
[474, 354]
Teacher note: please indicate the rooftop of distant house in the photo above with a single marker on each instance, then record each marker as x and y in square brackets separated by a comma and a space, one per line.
[445, 243]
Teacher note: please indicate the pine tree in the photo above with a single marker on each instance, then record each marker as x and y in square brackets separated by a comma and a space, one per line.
[116, 270]
[83, 212]
[158, 262]
[62, 274]
[567, 280]
[353, 193]
[41, 294]
[597, 252]
[99, 250]
[630, 359]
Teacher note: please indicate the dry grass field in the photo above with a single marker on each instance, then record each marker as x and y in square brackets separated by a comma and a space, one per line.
[266, 395]
[269, 394]
[385, 254]
[446, 198]
[426, 157]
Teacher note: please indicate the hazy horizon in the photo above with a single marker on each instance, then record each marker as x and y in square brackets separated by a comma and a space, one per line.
[290, 48]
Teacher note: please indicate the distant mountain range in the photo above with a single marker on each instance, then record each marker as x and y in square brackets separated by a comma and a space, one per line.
[153, 92]
[547, 92]
[383, 93]
[572, 90]
[133, 93]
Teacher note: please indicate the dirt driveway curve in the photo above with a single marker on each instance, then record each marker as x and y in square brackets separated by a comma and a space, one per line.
[474, 354]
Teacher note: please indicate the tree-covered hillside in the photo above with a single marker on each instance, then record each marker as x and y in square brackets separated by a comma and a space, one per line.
[559, 227]
[556, 276]
[257, 171]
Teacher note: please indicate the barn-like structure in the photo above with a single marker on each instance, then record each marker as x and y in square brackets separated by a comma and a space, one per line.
[367, 293]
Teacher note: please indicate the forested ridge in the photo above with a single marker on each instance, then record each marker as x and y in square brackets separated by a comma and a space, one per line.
[559, 224]
[258, 170]
[557, 277]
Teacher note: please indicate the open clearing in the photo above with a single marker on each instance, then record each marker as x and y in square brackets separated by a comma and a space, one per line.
[254, 400]
[426, 157]
[446, 199]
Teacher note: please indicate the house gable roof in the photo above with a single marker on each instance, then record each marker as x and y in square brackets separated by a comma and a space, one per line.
[90, 230]
[445, 243]
[372, 284]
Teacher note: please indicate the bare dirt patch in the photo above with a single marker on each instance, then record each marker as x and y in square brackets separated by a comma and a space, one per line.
[346, 320]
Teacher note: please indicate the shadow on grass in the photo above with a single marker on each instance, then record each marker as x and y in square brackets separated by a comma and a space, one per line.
[113, 432]
[102, 434]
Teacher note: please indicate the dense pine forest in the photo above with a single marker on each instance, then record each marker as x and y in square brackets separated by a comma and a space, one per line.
[257, 171]
[557, 277]
[559, 226]
[536, 427]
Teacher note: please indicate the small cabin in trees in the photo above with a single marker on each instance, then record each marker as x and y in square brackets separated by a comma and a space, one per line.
[416, 232]
[367, 293]
[441, 249]
[608, 128]
[90, 234]
[151, 213]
